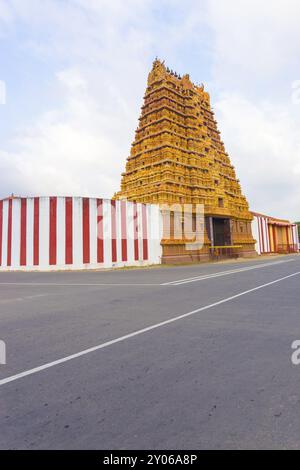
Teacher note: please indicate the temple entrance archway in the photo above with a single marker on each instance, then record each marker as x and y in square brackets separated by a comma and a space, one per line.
[221, 231]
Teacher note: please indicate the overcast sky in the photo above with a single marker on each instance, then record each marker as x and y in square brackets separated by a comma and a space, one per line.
[75, 74]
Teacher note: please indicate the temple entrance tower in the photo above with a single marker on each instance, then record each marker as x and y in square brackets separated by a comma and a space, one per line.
[178, 157]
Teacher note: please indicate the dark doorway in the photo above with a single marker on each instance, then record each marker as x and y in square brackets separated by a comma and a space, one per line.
[221, 228]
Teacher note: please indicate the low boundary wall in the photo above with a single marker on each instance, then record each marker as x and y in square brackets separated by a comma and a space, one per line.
[52, 233]
[274, 235]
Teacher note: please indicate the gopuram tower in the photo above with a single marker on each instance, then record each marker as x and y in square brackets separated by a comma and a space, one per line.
[178, 157]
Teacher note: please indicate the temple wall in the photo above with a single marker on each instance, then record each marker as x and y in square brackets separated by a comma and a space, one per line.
[261, 234]
[295, 235]
[70, 233]
[54, 233]
[274, 236]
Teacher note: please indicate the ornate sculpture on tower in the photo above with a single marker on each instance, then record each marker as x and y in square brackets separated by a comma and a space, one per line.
[178, 157]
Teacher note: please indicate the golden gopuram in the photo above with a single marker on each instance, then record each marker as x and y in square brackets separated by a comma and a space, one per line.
[178, 158]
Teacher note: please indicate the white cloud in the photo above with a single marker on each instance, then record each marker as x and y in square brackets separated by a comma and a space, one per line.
[101, 51]
[264, 143]
[255, 41]
[80, 146]
[71, 150]
[256, 48]
[5, 12]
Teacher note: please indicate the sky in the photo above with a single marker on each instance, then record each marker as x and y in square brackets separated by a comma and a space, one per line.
[73, 74]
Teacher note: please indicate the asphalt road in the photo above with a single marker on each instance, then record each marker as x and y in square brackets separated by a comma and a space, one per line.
[192, 357]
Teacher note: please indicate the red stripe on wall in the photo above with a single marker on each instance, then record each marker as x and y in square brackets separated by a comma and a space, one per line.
[52, 231]
[86, 229]
[256, 217]
[259, 234]
[145, 232]
[262, 247]
[23, 232]
[293, 236]
[9, 232]
[69, 230]
[100, 237]
[264, 239]
[124, 230]
[135, 232]
[275, 238]
[113, 232]
[270, 238]
[266, 235]
[262, 235]
[36, 231]
[1, 228]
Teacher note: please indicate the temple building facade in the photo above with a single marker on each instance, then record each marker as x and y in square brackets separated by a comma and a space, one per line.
[178, 158]
[274, 235]
[180, 199]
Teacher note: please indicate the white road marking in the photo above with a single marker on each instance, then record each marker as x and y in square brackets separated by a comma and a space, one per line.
[223, 273]
[71, 284]
[22, 299]
[138, 332]
[170, 283]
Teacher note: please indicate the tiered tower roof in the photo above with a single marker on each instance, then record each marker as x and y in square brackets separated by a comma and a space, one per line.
[177, 155]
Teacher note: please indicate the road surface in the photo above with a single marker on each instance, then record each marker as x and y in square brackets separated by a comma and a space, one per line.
[190, 357]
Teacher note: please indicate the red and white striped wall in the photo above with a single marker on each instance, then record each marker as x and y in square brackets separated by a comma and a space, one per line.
[295, 236]
[264, 231]
[48, 233]
[260, 233]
